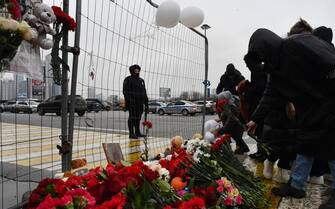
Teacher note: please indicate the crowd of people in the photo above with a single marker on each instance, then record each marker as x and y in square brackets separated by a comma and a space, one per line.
[287, 106]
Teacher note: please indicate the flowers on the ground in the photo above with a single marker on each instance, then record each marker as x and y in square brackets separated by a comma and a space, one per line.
[197, 176]
[155, 166]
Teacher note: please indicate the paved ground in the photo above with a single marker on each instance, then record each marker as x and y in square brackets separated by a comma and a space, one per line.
[113, 122]
[316, 194]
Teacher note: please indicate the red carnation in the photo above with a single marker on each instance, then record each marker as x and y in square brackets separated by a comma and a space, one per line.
[147, 123]
[220, 104]
[64, 18]
[194, 203]
[14, 9]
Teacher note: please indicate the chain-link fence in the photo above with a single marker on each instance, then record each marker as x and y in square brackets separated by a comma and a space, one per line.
[114, 35]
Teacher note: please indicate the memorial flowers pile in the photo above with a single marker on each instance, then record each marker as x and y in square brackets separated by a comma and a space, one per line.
[193, 177]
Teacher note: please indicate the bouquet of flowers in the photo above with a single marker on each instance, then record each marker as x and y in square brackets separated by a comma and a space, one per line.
[222, 162]
[12, 32]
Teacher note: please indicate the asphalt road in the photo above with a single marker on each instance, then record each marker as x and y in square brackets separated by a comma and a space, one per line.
[115, 122]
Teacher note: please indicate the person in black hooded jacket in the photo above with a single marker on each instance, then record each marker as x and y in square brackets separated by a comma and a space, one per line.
[136, 99]
[302, 67]
[229, 80]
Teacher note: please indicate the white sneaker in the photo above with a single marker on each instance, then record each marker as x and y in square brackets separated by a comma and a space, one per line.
[282, 175]
[268, 169]
[316, 180]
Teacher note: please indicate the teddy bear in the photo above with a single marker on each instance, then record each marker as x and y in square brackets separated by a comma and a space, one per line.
[40, 19]
[209, 127]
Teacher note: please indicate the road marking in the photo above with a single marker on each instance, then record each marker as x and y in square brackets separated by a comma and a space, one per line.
[36, 146]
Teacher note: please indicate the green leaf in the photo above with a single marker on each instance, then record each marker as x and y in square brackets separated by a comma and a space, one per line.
[146, 191]
[188, 196]
[125, 163]
[191, 184]
[164, 186]
[70, 206]
[103, 175]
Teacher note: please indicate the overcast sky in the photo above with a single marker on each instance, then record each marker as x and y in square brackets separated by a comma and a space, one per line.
[233, 22]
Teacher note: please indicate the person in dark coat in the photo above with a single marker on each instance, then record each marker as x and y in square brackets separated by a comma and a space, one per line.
[320, 166]
[277, 132]
[302, 67]
[251, 93]
[229, 80]
[227, 109]
[136, 99]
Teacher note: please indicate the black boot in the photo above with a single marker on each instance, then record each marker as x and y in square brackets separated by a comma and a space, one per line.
[287, 190]
[137, 130]
[131, 130]
[329, 204]
[241, 149]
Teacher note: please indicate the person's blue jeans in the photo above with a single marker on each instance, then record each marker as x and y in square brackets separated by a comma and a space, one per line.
[302, 168]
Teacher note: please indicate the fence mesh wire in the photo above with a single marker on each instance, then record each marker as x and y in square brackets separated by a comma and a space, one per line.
[114, 35]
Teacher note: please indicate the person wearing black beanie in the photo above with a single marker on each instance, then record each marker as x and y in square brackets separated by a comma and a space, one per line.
[136, 99]
[324, 33]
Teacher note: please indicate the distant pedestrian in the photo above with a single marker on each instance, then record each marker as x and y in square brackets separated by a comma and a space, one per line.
[229, 80]
[136, 99]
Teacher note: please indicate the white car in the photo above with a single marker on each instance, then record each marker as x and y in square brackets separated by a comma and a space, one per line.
[180, 107]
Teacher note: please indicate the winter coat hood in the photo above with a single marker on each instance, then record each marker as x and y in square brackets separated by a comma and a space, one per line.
[230, 69]
[324, 33]
[132, 70]
[264, 47]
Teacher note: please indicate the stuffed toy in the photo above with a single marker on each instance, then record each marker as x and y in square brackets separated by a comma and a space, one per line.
[197, 136]
[211, 126]
[176, 143]
[78, 163]
[40, 21]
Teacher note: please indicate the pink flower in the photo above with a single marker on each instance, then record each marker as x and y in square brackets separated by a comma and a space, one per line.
[220, 189]
[228, 201]
[181, 193]
[239, 200]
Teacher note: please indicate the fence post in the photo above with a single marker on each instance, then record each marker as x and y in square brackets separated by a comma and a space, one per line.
[64, 112]
[206, 69]
[75, 50]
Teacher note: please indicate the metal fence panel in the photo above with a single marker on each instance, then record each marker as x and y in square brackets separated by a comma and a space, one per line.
[114, 35]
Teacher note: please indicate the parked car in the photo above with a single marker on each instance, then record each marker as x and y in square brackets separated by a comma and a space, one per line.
[108, 106]
[2, 102]
[180, 107]
[154, 106]
[23, 106]
[54, 105]
[94, 105]
[210, 106]
[7, 106]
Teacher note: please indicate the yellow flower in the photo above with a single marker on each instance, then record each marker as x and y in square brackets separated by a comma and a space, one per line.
[12, 25]
[236, 192]
[3, 23]
[25, 31]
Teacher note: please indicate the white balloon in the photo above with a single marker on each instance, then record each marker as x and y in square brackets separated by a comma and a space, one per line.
[167, 14]
[192, 17]
[209, 137]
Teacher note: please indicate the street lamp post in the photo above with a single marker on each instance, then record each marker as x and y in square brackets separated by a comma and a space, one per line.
[205, 27]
